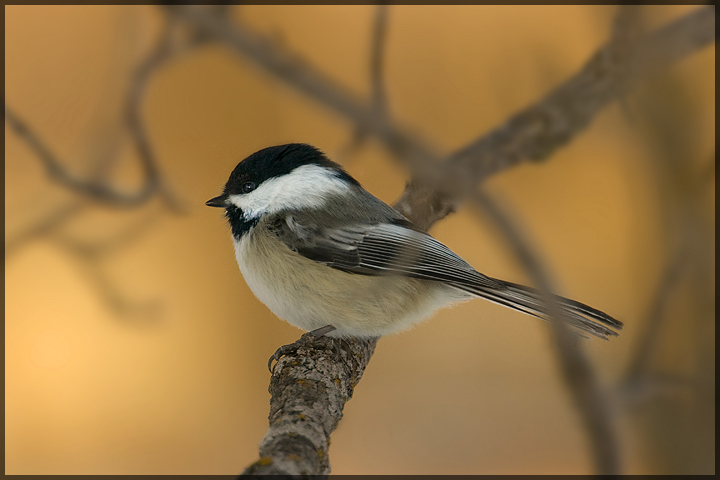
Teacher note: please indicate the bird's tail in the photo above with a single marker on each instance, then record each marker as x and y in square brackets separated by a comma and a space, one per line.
[531, 301]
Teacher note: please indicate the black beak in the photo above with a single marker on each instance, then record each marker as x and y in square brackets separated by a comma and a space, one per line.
[217, 202]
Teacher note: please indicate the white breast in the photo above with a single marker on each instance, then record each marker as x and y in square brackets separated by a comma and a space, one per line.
[310, 295]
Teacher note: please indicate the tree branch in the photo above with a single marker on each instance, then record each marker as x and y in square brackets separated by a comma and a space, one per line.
[309, 389]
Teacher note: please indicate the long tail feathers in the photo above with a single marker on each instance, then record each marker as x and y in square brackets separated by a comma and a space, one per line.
[529, 300]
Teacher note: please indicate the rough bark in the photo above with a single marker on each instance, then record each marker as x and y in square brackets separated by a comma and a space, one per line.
[309, 389]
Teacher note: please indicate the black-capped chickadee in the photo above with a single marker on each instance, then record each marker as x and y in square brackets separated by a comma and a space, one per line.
[329, 257]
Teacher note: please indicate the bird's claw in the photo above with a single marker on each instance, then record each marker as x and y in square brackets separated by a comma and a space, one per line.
[284, 350]
[301, 342]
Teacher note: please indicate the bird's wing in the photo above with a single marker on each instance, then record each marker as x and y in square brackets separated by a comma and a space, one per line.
[381, 249]
[397, 248]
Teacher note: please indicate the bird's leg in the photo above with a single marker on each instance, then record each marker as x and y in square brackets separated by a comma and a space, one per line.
[319, 332]
[300, 342]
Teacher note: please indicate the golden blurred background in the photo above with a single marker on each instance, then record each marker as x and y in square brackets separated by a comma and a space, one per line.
[133, 345]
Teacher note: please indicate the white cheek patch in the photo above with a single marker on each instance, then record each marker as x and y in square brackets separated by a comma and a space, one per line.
[305, 187]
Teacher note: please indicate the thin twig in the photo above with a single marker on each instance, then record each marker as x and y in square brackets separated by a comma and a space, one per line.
[54, 167]
[87, 255]
[98, 190]
[706, 176]
[133, 117]
[108, 246]
[377, 85]
[297, 72]
[628, 28]
[377, 61]
[106, 289]
[651, 386]
[44, 226]
[640, 361]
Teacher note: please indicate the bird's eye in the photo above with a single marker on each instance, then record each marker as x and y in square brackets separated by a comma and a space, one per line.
[248, 187]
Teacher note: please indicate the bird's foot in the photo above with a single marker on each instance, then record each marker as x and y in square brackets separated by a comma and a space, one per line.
[301, 342]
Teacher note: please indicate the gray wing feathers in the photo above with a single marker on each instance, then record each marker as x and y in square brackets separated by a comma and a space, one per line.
[531, 301]
[382, 249]
[398, 249]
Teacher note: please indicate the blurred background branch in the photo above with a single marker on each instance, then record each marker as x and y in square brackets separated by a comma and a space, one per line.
[575, 366]
[537, 131]
[96, 187]
[377, 61]
[673, 393]
[377, 83]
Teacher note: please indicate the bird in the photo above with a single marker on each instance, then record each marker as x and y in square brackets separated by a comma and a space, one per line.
[327, 256]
